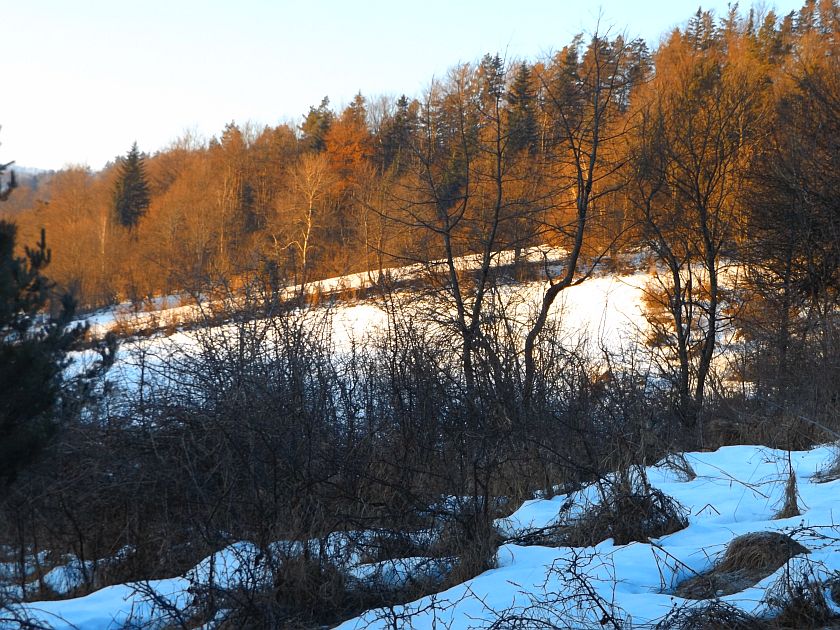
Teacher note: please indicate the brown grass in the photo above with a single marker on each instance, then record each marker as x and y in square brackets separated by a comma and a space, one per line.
[782, 432]
[832, 471]
[790, 508]
[628, 512]
[679, 465]
[748, 559]
[799, 602]
[716, 615]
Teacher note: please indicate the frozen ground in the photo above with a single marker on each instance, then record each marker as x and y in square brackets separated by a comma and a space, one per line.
[606, 311]
[736, 490]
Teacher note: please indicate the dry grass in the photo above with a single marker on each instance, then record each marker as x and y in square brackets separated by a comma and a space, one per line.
[798, 601]
[782, 432]
[679, 465]
[630, 511]
[748, 559]
[832, 471]
[790, 508]
[716, 615]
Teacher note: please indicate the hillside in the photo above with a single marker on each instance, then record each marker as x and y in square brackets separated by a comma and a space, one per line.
[724, 494]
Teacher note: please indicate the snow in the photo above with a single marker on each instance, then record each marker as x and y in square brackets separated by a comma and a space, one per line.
[605, 311]
[736, 490]
[401, 572]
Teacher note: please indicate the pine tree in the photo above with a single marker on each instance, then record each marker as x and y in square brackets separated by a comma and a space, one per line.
[131, 192]
[32, 354]
[34, 395]
[316, 125]
[522, 120]
[396, 133]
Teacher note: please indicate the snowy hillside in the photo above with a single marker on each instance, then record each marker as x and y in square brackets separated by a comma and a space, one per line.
[541, 576]
[606, 311]
[725, 494]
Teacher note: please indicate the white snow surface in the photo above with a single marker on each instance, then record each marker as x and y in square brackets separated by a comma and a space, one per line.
[737, 490]
[606, 311]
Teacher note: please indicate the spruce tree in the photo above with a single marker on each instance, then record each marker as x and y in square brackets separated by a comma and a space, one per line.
[522, 120]
[33, 351]
[34, 394]
[316, 125]
[131, 191]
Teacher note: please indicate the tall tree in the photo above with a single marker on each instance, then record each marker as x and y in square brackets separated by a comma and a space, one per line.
[396, 135]
[583, 102]
[694, 134]
[522, 115]
[793, 253]
[36, 394]
[304, 211]
[131, 191]
[316, 125]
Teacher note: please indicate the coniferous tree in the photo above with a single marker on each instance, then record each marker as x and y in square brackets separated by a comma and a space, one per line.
[316, 125]
[396, 134]
[32, 354]
[522, 118]
[34, 394]
[131, 192]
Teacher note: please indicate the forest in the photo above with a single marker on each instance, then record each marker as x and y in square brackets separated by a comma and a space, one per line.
[712, 162]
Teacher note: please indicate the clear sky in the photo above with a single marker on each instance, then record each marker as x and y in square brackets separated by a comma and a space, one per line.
[83, 79]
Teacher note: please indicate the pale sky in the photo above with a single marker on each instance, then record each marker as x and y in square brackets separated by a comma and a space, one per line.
[83, 79]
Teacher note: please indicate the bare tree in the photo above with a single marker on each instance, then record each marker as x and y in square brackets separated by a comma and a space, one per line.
[690, 142]
[304, 210]
[584, 102]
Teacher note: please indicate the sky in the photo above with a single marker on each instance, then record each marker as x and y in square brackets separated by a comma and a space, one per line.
[84, 79]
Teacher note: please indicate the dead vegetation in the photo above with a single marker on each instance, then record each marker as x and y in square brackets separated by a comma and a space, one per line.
[832, 471]
[716, 615]
[790, 507]
[798, 600]
[679, 466]
[629, 510]
[748, 559]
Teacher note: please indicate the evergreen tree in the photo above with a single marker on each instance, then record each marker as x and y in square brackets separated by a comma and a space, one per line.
[701, 30]
[396, 134]
[131, 192]
[316, 125]
[34, 395]
[522, 120]
[32, 354]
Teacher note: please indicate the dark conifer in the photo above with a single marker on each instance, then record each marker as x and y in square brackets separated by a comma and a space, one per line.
[316, 125]
[34, 394]
[32, 354]
[131, 192]
[522, 121]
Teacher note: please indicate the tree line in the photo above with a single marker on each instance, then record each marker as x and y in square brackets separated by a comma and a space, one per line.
[335, 194]
[714, 151]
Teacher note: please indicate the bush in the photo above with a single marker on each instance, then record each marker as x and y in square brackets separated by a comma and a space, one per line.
[629, 510]
[716, 615]
[747, 560]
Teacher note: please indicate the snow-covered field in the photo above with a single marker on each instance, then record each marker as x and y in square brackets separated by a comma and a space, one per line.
[606, 311]
[736, 490]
